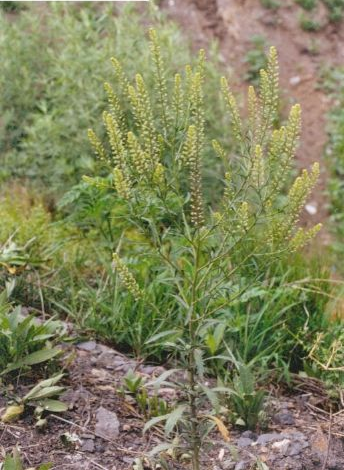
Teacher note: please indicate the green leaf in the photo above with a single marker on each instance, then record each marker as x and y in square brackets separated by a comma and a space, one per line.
[45, 392]
[32, 359]
[14, 462]
[154, 421]
[163, 334]
[161, 448]
[156, 383]
[173, 419]
[55, 406]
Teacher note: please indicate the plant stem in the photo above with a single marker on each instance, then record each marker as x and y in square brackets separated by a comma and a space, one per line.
[195, 438]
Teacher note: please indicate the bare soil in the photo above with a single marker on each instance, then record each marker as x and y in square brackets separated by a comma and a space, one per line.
[302, 434]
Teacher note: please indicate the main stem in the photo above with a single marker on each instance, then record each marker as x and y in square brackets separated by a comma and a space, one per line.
[195, 438]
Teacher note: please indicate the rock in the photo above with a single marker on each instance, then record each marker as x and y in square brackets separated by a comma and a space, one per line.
[242, 465]
[285, 418]
[87, 346]
[107, 424]
[296, 448]
[311, 208]
[295, 80]
[250, 435]
[228, 465]
[244, 442]
[270, 437]
[88, 445]
[282, 446]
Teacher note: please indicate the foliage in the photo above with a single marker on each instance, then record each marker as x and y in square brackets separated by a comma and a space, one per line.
[42, 397]
[271, 4]
[307, 4]
[334, 83]
[256, 59]
[246, 402]
[307, 23]
[156, 174]
[24, 340]
[14, 462]
[49, 98]
[149, 405]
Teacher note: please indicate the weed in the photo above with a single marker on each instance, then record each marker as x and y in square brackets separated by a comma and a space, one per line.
[307, 4]
[256, 59]
[149, 405]
[24, 340]
[245, 402]
[309, 24]
[14, 461]
[42, 397]
[271, 4]
[156, 173]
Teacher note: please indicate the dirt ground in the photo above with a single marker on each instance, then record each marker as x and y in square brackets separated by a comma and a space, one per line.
[302, 55]
[103, 430]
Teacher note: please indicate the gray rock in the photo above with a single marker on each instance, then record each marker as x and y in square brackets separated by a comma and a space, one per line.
[264, 439]
[296, 448]
[285, 418]
[88, 445]
[107, 424]
[242, 465]
[244, 442]
[87, 346]
[228, 465]
[250, 435]
[282, 446]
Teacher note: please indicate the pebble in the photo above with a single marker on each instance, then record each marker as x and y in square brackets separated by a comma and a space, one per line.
[269, 437]
[88, 445]
[107, 423]
[250, 435]
[282, 446]
[87, 346]
[295, 80]
[244, 442]
[285, 418]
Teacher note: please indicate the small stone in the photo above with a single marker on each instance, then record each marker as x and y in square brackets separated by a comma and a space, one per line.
[285, 418]
[296, 448]
[228, 465]
[88, 445]
[126, 427]
[269, 437]
[295, 80]
[250, 435]
[281, 446]
[107, 424]
[242, 465]
[311, 208]
[244, 442]
[87, 346]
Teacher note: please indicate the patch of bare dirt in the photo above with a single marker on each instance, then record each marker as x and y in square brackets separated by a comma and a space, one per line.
[103, 430]
[301, 55]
